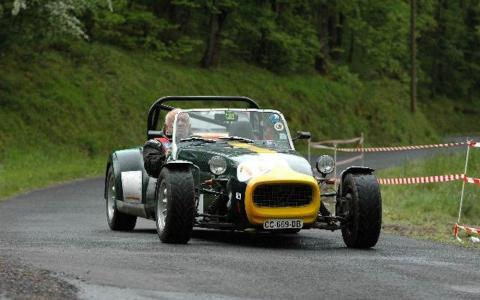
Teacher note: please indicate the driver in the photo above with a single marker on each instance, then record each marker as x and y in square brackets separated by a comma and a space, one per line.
[267, 126]
[156, 150]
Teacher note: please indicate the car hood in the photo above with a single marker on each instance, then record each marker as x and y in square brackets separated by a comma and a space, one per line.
[237, 153]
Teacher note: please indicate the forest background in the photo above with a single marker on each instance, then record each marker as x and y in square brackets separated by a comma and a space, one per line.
[77, 76]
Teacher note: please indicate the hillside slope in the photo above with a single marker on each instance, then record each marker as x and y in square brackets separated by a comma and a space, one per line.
[63, 111]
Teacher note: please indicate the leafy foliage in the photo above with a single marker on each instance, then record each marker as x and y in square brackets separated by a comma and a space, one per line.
[370, 38]
[449, 50]
[36, 21]
[62, 116]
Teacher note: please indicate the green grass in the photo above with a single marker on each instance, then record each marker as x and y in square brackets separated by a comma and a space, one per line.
[456, 116]
[430, 210]
[28, 169]
[63, 111]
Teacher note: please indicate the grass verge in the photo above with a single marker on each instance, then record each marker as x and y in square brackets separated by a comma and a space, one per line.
[29, 169]
[64, 110]
[429, 211]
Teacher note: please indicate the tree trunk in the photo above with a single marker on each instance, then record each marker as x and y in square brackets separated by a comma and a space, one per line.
[413, 52]
[351, 48]
[88, 20]
[339, 37]
[321, 60]
[259, 52]
[278, 7]
[212, 51]
[437, 52]
[335, 30]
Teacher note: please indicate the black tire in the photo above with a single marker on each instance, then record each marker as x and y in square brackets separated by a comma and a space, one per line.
[361, 204]
[116, 220]
[177, 206]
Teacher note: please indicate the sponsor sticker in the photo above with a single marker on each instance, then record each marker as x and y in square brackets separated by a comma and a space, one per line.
[132, 186]
[230, 115]
[274, 118]
[278, 126]
[200, 204]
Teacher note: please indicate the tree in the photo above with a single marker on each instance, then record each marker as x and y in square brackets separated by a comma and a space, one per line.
[413, 53]
[39, 20]
[448, 50]
[218, 11]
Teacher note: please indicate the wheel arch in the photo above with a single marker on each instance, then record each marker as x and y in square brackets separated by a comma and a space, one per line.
[125, 160]
[109, 163]
[355, 170]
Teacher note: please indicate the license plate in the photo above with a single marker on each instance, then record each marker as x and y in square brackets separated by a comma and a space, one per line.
[282, 223]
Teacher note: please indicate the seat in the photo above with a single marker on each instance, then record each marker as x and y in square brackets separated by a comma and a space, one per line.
[241, 128]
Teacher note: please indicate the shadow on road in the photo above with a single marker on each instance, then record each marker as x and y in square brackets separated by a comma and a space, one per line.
[269, 240]
[145, 230]
[303, 240]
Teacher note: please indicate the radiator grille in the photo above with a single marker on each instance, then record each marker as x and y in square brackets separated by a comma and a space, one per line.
[282, 195]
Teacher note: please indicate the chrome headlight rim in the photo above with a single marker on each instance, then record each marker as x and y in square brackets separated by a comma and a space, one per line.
[217, 165]
[325, 164]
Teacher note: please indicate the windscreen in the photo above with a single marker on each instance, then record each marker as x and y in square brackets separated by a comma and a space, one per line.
[261, 127]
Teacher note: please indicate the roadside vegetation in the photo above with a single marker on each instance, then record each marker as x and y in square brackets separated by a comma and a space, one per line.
[63, 112]
[430, 210]
[77, 78]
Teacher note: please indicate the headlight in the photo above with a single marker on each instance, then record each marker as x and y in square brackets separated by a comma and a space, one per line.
[325, 164]
[249, 169]
[218, 165]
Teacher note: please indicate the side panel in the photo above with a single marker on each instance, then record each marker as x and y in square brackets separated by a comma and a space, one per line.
[129, 165]
[125, 161]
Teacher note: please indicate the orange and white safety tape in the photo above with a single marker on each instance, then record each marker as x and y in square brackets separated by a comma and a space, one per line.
[471, 180]
[349, 160]
[469, 230]
[336, 142]
[471, 144]
[474, 144]
[428, 179]
[425, 179]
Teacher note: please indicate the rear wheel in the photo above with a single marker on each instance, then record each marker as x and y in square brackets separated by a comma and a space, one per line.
[175, 205]
[117, 220]
[361, 205]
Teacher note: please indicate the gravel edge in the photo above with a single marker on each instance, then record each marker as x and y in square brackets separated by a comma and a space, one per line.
[20, 281]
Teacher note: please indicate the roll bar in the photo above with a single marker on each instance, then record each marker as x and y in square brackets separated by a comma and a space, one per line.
[159, 105]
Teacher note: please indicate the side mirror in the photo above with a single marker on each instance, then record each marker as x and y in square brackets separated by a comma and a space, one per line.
[302, 135]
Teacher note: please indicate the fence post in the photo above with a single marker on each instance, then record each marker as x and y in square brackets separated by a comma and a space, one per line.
[335, 166]
[463, 184]
[361, 146]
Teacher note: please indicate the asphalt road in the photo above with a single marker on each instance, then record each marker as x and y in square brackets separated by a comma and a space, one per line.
[62, 232]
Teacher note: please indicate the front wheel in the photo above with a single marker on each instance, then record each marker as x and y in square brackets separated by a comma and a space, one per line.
[175, 205]
[361, 205]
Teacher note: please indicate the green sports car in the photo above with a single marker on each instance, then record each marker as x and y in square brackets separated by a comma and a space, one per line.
[237, 169]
